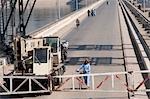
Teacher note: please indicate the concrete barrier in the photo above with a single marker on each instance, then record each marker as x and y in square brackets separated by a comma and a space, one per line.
[145, 14]
[129, 64]
[61, 27]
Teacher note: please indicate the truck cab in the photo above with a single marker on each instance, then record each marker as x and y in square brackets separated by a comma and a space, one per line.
[55, 44]
[43, 50]
[42, 61]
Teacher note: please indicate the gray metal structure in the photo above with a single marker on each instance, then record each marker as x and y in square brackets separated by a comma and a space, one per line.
[31, 84]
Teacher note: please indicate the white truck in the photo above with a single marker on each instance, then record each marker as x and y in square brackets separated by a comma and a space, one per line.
[49, 47]
[40, 57]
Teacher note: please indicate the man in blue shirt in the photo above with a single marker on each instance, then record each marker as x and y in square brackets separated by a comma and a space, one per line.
[86, 68]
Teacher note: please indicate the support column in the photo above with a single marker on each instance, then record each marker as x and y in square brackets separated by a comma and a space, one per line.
[77, 4]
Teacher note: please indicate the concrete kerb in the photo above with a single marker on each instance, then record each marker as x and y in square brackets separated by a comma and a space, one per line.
[67, 23]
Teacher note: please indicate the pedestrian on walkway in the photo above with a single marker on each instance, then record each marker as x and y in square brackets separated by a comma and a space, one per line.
[89, 12]
[77, 23]
[86, 69]
[107, 2]
[64, 48]
[94, 12]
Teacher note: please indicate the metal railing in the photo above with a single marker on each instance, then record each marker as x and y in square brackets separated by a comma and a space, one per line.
[103, 82]
[112, 79]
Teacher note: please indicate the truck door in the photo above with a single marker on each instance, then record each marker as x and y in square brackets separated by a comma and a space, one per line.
[41, 61]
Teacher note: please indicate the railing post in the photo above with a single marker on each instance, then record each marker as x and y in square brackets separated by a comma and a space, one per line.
[112, 79]
[73, 86]
[11, 84]
[30, 88]
[3, 70]
[93, 82]
[132, 75]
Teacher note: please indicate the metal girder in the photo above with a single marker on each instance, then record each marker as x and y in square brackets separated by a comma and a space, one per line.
[5, 21]
[0, 21]
[2, 18]
[22, 26]
[22, 23]
[21, 18]
[30, 13]
[39, 84]
[12, 10]
[27, 82]
[5, 26]
[26, 6]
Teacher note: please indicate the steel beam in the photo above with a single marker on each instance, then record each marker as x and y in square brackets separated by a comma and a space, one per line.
[30, 13]
[21, 19]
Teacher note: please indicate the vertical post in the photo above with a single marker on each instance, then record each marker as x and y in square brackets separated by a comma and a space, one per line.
[144, 5]
[73, 86]
[12, 22]
[132, 77]
[30, 88]
[0, 29]
[93, 82]
[77, 3]
[11, 84]
[112, 79]
[3, 21]
[5, 16]
[3, 69]
[58, 9]
[86, 3]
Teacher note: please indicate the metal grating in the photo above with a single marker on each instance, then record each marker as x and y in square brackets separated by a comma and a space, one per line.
[94, 60]
[90, 47]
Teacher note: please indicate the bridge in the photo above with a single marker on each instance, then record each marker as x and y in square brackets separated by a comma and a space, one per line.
[117, 43]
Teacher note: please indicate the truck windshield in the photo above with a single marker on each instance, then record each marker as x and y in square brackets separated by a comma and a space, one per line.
[40, 55]
[53, 43]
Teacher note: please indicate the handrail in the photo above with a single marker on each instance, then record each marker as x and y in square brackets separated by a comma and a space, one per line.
[112, 77]
[101, 74]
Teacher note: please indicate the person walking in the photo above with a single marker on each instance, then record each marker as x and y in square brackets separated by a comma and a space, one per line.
[89, 12]
[77, 23]
[107, 2]
[86, 69]
[94, 12]
[64, 48]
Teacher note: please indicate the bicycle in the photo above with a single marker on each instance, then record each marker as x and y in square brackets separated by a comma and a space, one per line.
[81, 80]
